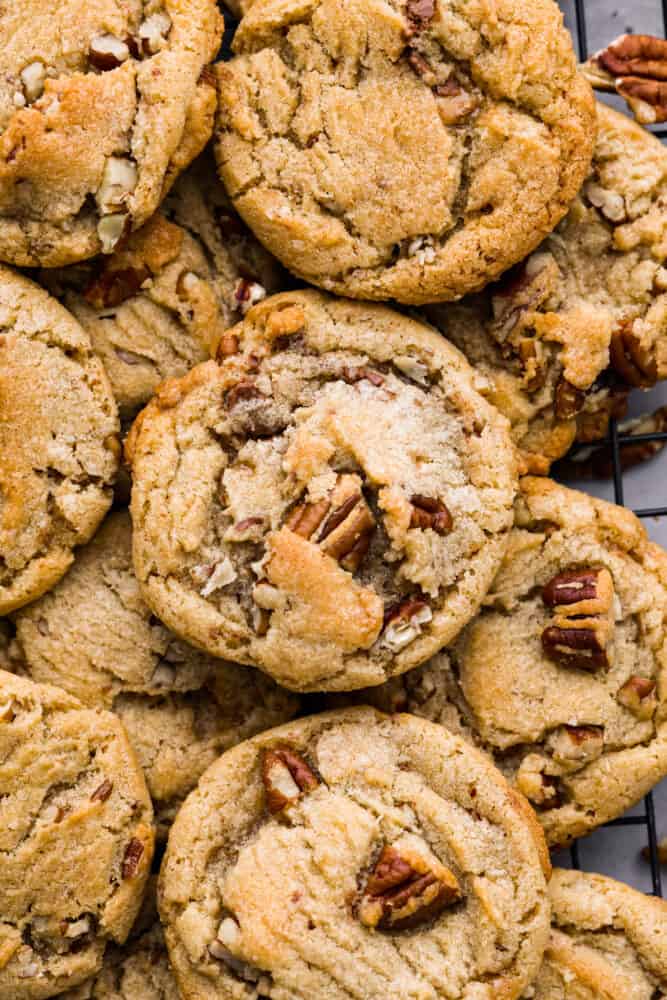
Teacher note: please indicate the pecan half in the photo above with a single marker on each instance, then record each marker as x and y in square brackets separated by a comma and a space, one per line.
[634, 363]
[582, 601]
[635, 66]
[429, 512]
[638, 695]
[580, 592]
[112, 287]
[574, 647]
[343, 523]
[406, 888]
[286, 778]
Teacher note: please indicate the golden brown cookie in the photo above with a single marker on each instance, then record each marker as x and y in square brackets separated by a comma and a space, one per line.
[402, 150]
[329, 502]
[59, 446]
[102, 104]
[563, 338]
[352, 854]
[562, 676]
[76, 837]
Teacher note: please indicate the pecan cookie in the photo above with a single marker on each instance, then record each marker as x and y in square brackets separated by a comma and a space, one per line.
[137, 970]
[102, 104]
[352, 833]
[94, 637]
[329, 502]
[76, 837]
[634, 66]
[563, 337]
[159, 304]
[562, 676]
[607, 940]
[59, 444]
[410, 150]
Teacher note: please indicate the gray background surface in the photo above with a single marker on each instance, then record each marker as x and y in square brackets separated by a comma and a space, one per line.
[616, 851]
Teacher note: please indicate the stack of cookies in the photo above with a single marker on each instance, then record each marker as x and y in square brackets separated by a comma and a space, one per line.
[305, 661]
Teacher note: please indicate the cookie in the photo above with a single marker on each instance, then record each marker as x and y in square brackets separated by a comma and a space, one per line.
[352, 854]
[137, 970]
[562, 675]
[329, 502]
[407, 150]
[94, 637]
[59, 446]
[607, 940]
[76, 836]
[563, 337]
[102, 105]
[159, 304]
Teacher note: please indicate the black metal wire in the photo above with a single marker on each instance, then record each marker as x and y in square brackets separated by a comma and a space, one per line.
[615, 442]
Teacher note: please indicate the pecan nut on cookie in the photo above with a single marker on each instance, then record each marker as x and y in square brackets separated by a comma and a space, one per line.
[94, 637]
[607, 940]
[102, 104]
[564, 337]
[409, 150]
[329, 502]
[353, 854]
[561, 677]
[77, 838]
[159, 304]
[59, 445]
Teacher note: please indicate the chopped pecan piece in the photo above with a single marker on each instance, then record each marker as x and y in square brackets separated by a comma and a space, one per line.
[428, 512]
[286, 778]
[420, 13]
[243, 390]
[568, 400]
[580, 592]
[574, 746]
[228, 346]
[132, 857]
[635, 66]
[247, 294]
[406, 888]
[630, 360]
[361, 373]
[112, 287]
[403, 622]
[543, 790]
[108, 52]
[638, 695]
[102, 793]
[345, 522]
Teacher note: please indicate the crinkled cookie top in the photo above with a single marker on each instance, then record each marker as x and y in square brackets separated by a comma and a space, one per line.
[354, 855]
[564, 337]
[562, 676]
[329, 502]
[607, 940]
[59, 445]
[76, 838]
[102, 104]
[402, 150]
[159, 304]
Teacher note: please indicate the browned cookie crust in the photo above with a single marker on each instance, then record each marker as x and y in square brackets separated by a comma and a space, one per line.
[330, 502]
[405, 150]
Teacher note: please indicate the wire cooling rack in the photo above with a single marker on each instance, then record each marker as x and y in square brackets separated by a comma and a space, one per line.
[581, 16]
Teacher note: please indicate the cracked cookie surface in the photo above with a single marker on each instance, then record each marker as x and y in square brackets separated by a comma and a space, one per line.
[402, 150]
[160, 303]
[76, 836]
[137, 970]
[607, 940]
[59, 444]
[102, 105]
[328, 502]
[94, 636]
[352, 833]
[566, 335]
[569, 697]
